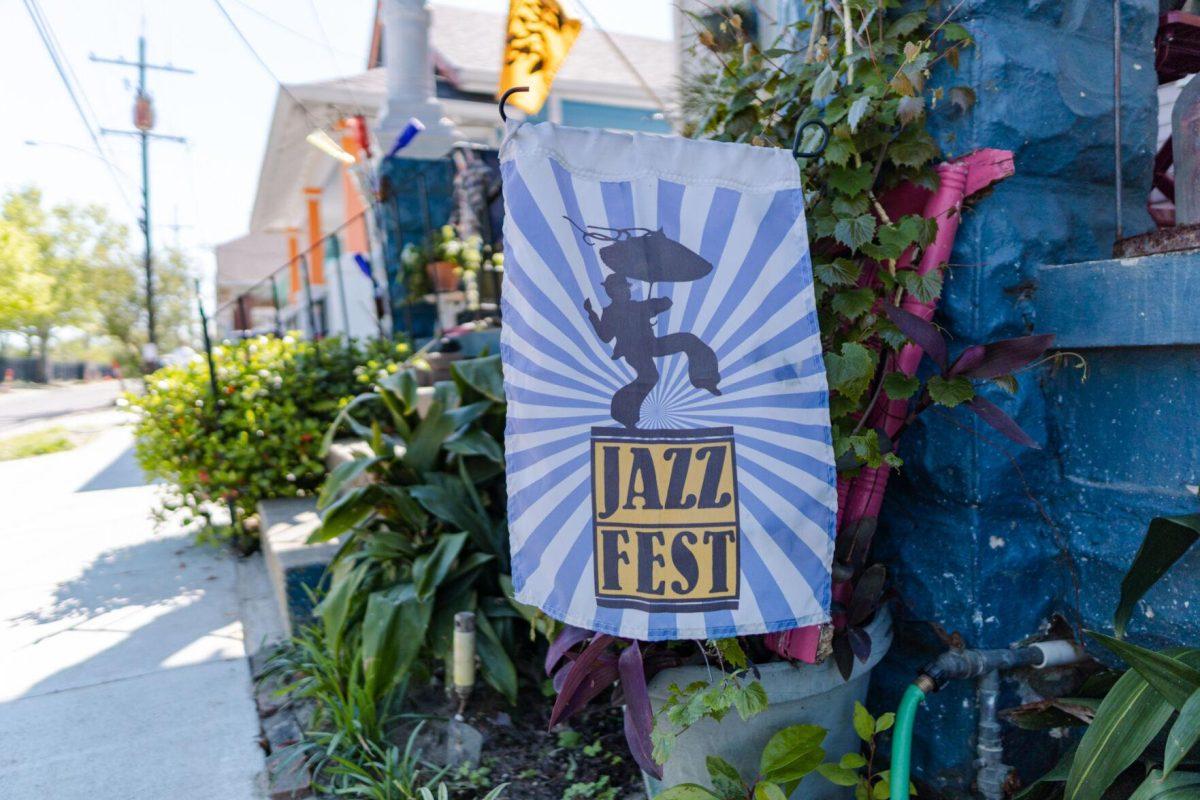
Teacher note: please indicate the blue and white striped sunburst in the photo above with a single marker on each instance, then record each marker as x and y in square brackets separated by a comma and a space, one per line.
[755, 310]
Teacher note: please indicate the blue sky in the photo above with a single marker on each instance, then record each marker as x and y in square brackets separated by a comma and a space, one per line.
[206, 187]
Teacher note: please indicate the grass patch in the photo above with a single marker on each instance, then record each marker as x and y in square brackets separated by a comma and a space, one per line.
[37, 443]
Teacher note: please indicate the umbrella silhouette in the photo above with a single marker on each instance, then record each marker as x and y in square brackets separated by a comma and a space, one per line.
[642, 254]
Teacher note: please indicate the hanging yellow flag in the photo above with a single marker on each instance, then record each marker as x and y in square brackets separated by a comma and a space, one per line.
[538, 38]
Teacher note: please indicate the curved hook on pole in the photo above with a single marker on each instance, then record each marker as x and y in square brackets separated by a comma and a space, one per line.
[819, 149]
[504, 99]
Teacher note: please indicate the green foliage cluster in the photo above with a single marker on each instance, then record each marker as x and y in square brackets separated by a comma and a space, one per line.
[424, 527]
[790, 755]
[865, 73]
[262, 437]
[347, 743]
[1143, 726]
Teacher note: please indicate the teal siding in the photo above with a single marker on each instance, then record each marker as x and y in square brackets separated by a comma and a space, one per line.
[596, 115]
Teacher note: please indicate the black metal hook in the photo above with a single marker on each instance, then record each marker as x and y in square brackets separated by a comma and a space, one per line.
[797, 152]
[504, 99]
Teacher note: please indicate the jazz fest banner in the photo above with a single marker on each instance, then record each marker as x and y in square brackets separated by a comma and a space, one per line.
[669, 458]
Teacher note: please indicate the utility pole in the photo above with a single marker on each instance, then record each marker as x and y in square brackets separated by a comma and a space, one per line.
[143, 122]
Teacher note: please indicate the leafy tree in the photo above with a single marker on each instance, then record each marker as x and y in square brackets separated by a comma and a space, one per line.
[67, 241]
[24, 292]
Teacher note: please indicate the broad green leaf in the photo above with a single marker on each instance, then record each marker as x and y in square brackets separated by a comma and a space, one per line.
[348, 511]
[950, 392]
[344, 418]
[342, 474]
[686, 791]
[856, 231]
[447, 499]
[1170, 677]
[906, 24]
[765, 790]
[853, 303]
[1166, 540]
[884, 722]
[825, 83]
[858, 110]
[750, 699]
[864, 723]
[837, 774]
[792, 753]
[1127, 721]
[912, 153]
[1177, 786]
[855, 760]
[498, 669]
[731, 650]
[1184, 733]
[900, 386]
[393, 632]
[402, 386]
[839, 272]
[850, 371]
[483, 374]
[430, 569]
[852, 180]
[476, 442]
[910, 109]
[724, 777]
[334, 608]
[955, 32]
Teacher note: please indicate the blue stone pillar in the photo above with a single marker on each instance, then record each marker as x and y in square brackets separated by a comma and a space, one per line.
[418, 196]
[972, 528]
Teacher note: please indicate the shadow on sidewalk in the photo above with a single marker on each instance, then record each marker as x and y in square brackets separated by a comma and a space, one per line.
[121, 473]
[174, 598]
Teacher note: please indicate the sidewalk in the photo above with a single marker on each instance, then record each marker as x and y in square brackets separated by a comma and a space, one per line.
[123, 673]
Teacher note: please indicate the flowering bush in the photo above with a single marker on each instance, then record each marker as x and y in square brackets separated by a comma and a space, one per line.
[262, 439]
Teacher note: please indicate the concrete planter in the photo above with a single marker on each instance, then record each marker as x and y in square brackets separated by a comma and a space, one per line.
[812, 694]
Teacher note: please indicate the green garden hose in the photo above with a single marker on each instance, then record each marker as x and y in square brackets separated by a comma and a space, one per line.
[902, 741]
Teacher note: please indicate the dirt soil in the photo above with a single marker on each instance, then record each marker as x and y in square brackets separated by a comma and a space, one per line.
[585, 759]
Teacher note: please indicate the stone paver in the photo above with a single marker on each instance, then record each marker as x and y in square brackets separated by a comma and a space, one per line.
[123, 672]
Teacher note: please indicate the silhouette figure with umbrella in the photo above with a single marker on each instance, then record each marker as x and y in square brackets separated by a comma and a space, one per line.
[649, 256]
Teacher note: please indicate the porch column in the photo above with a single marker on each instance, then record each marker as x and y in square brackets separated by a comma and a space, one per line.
[293, 249]
[316, 243]
[411, 87]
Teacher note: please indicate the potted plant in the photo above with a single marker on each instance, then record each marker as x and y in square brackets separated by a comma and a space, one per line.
[883, 215]
[448, 257]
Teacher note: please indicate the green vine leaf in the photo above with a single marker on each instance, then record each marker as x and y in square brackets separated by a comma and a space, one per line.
[851, 180]
[899, 386]
[950, 392]
[850, 371]
[825, 83]
[854, 303]
[858, 110]
[855, 232]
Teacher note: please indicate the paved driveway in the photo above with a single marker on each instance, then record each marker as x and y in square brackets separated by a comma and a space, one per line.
[21, 406]
[123, 673]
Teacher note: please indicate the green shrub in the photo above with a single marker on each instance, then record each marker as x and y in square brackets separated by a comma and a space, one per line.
[262, 439]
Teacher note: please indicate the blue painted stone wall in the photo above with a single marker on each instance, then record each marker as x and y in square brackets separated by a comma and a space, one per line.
[982, 539]
[977, 532]
[418, 197]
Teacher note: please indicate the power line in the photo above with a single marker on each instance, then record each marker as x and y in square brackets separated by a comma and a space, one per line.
[78, 98]
[312, 118]
[624, 58]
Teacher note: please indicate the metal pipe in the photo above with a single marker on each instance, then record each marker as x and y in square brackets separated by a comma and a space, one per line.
[984, 665]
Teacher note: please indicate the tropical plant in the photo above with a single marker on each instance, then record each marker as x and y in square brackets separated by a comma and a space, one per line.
[347, 744]
[261, 438]
[1126, 717]
[862, 68]
[425, 534]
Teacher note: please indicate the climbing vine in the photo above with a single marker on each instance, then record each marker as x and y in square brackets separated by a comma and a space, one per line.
[862, 67]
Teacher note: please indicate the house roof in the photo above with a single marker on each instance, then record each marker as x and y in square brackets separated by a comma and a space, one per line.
[468, 48]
